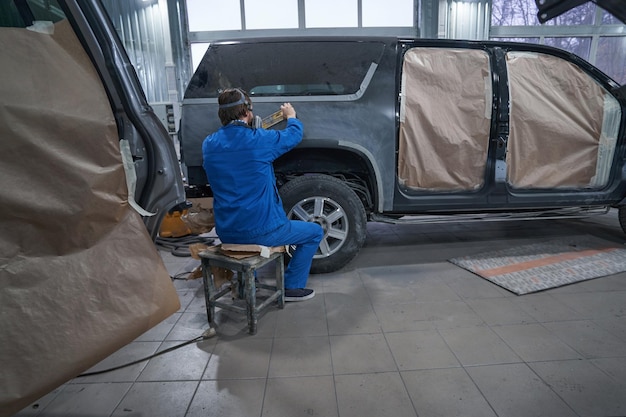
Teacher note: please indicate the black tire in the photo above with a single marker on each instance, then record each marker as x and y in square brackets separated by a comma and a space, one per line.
[344, 231]
[621, 215]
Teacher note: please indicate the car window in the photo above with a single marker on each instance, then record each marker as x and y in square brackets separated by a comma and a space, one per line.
[28, 12]
[445, 119]
[297, 89]
[285, 68]
[563, 125]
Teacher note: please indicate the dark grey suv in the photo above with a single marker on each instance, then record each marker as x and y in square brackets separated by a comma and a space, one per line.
[414, 130]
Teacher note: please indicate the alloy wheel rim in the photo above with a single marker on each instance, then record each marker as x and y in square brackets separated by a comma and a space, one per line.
[330, 216]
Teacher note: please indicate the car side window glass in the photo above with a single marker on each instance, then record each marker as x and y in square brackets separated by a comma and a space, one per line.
[285, 68]
[445, 119]
[29, 13]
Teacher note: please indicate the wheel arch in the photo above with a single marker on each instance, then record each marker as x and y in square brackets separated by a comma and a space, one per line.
[346, 163]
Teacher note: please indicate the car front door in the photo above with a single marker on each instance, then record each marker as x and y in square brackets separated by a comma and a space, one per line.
[565, 131]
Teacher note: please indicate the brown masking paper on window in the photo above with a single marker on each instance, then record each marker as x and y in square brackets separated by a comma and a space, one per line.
[79, 275]
[556, 123]
[444, 119]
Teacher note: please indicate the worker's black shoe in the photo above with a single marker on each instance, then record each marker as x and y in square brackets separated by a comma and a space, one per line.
[299, 294]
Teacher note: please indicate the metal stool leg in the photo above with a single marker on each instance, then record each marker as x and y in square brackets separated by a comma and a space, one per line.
[250, 293]
[209, 291]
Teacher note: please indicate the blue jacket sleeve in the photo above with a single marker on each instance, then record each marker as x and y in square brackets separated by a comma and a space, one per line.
[282, 141]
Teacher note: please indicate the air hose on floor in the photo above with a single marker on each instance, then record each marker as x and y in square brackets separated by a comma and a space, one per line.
[179, 246]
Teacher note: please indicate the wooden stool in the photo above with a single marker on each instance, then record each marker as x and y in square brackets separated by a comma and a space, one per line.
[245, 269]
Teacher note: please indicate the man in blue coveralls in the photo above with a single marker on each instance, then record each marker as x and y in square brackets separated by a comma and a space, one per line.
[248, 210]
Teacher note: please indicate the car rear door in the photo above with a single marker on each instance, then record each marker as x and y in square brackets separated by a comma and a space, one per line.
[446, 140]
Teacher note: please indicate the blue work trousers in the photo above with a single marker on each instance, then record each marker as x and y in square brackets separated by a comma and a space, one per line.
[306, 237]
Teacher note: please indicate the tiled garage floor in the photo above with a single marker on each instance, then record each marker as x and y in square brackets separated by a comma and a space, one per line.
[399, 332]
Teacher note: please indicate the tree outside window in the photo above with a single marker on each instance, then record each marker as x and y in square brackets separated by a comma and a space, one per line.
[587, 31]
[611, 57]
[576, 45]
[524, 13]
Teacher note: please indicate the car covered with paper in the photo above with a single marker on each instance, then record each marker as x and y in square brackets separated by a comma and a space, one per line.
[421, 131]
[87, 173]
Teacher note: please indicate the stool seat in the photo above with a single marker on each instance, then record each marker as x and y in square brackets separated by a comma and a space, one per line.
[245, 268]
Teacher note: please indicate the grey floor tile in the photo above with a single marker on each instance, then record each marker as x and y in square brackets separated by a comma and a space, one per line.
[426, 315]
[187, 294]
[373, 395]
[93, 400]
[231, 325]
[352, 292]
[160, 331]
[185, 363]
[35, 408]
[350, 313]
[130, 353]
[189, 326]
[157, 399]
[544, 307]
[347, 281]
[406, 254]
[445, 393]
[587, 338]
[185, 297]
[361, 353]
[197, 302]
[478, 346]
[469, 286]
[305, 318]
[302, 356]
[533, 343]
[177, 265]
[514, 390]
[614, 325]
[221, 398]
[616, 282]
[384, 255]
[420, 350]
[300, 396]
[407, 283]
[500, 311]
[589, 391]
[613, 367]
[596, 304]
[240, 358]
[182, 267]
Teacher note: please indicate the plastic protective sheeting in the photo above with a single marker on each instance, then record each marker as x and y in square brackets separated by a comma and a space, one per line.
[445, 118]
[563, 125]
[79, 274]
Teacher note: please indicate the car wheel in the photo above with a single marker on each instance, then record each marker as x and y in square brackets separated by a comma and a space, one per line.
[332, 204]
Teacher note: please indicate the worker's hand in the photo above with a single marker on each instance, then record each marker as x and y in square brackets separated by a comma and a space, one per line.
[288, 111]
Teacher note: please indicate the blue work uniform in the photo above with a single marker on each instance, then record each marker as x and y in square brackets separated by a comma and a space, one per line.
[248, 209]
